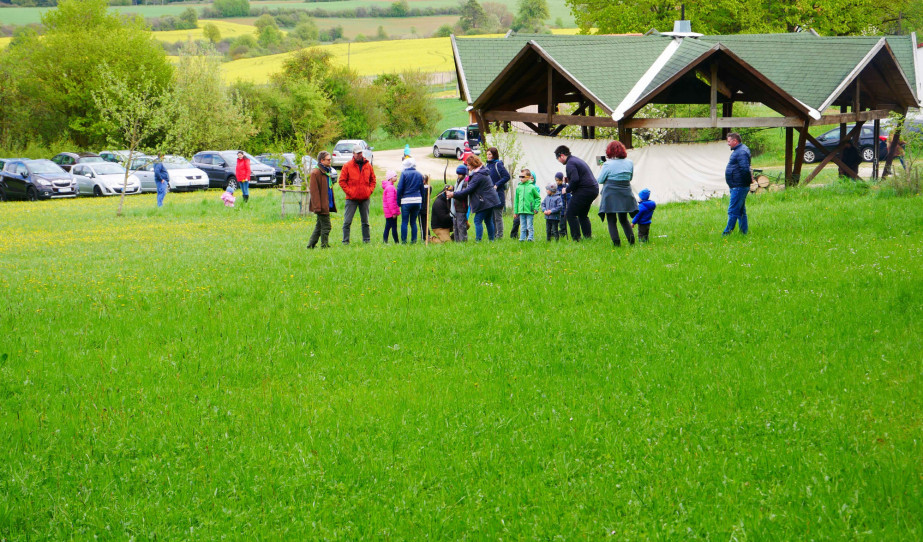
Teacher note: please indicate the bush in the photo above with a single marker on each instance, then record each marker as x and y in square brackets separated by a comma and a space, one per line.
[232, 8]
[407, 107]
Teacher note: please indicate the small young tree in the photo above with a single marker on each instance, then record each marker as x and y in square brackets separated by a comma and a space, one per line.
[532, 15]
[407, 107]
[134, 111]
[510, 150]
[211, 32]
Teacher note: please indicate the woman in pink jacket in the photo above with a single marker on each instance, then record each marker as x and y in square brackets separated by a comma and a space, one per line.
[389, 204]
[243, 174]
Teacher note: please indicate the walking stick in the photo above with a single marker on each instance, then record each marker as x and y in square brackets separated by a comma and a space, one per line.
[426, 223]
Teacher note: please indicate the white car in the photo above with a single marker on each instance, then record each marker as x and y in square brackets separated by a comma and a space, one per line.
[182, 174]
[103, 179]
[343, 151]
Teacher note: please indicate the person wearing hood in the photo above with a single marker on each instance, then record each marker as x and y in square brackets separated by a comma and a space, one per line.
[460, 205]
[389, 205]
[552, 207]
[320, 186]
[500, 177]
[357, 179]
[242, 171]
[482, 197]
[410, 197]
[616, 201]
[527, 202]
[466, 153]
[561, 183]
[645, 213]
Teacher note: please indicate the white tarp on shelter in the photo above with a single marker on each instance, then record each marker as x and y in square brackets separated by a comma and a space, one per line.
[675, 172]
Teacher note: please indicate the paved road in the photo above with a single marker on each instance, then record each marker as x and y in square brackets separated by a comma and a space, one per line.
[434, 167]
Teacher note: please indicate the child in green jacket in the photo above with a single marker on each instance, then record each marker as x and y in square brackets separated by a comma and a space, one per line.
[527, 202]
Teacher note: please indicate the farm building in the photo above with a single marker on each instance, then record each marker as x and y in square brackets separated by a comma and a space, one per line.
[546, 83]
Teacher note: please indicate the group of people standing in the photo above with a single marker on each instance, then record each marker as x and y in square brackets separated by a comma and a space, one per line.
[480, 193]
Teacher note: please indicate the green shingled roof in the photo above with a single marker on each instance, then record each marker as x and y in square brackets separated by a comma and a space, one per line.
[610, 66]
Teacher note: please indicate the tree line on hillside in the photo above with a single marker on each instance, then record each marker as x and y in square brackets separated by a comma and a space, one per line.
[59, 91]
[827, 17]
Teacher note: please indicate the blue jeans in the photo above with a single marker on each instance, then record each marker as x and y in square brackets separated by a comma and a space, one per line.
[162, 188]
[527, 227]
[737, 210]
[245, 188]
[481, 219]
[409, 212]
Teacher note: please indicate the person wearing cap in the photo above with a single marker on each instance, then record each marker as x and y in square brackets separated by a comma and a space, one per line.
[357, 179]
[561, 182]
[460, 205]
[552, 206]
[466, 153]
[410, 197]
[583, 188]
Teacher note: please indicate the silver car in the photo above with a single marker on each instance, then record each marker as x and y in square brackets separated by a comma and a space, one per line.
[452, 142]
[343, 151]
[104, 179]
[182, 174]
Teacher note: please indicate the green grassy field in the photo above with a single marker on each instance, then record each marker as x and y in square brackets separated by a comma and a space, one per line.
[194, 372]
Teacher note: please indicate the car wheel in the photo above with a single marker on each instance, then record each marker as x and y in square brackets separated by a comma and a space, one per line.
[31, 194]
[2, 195]
[97, 191]
[809, 156]
[868, 153]
[459, 153]
[435, 151]
[231, 179]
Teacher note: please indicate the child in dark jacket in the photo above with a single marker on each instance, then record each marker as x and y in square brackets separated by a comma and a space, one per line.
[552, 207]
[645, 214]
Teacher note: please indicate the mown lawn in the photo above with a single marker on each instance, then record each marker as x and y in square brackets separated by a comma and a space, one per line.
[194, 372]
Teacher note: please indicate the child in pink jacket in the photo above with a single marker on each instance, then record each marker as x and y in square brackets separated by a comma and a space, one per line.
[389, 204]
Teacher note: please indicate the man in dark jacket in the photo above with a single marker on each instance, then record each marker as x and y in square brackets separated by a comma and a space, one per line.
[500, 177]
[583, 188]
[322, 203]
[738, 176]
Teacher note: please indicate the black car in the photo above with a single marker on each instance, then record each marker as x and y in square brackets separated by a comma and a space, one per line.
[831, 139]
[284, 164]
[221, 168]
[67, 159]
[35, 179]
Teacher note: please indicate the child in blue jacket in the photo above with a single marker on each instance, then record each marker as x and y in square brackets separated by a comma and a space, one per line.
[552, 206]
[645, 213]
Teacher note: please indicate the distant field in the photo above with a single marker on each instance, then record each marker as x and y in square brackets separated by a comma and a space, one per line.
[424, 26]
[557, 8]
[228, 30]
[4, 42]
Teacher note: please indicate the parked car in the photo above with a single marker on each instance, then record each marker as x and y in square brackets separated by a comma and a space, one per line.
[116, 157]
[220, 166]
[452, 141]
[67, 159]
[35, 179]
[343, 151]
[183, 176]
[831, 139]
[3, 161]
[104, 179]
[283, 164]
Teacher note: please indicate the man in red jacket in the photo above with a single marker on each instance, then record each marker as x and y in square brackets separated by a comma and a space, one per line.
[358, 182]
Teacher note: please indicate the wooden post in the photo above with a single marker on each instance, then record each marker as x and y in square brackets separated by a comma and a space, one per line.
[714, 93]
[892, 148]
[426, 222]
[843, 134]
[789, 141]
[592, 113]
[550, 96]
[799, 154]
[727, 110]
[876, 142]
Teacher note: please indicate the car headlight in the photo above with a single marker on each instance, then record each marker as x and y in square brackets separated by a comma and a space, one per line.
[43, 182]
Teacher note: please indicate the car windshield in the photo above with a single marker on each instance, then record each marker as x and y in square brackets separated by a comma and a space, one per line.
[90, 159]
[274, 162]
[176, 162]
[44, 166]
[108, 168]
[139, 163]
[344, 147]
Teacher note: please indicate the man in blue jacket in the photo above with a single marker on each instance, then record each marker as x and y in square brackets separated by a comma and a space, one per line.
[738, 176]
[161, 179]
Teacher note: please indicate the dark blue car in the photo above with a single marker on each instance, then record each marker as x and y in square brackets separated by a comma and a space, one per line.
[35, 179]
[831, 139]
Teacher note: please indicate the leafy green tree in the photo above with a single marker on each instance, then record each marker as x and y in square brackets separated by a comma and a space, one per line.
[472, 16]
[531, 16]
[406, 105]
[55, 90]
[211, 32]
[400, 8]
[205, 113]
[190, 17]
[306, 31]
[443, 31]
[232, 8]
[268, 33]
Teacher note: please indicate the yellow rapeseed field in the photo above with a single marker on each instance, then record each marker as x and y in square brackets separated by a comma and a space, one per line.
[4, 42]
